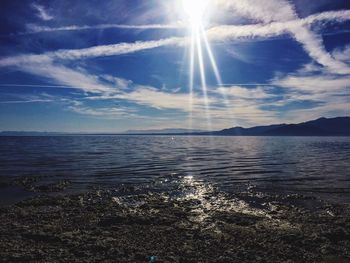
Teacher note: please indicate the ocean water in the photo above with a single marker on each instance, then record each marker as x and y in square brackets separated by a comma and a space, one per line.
[303, 165]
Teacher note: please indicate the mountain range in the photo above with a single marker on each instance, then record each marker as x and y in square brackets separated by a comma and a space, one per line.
[339, 126]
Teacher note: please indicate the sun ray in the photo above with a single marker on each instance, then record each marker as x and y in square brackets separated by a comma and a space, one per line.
[211, 56]
[213, 63]
[203, 77]
[191, 82]
[195, 10]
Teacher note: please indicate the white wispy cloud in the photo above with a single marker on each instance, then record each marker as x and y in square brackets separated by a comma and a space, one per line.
[32, 28]
[246, 93]
[279, 17]
[266, 30]
[314, 83]
[77, 79]
[91, 52]
[42, 12]
[24, 101]
[158, 99]
[268, 10]
[33, 85]
[116, 49]
[109, 89]
[329, 93]
[342, 53]
[27, 98]
[102, 112]
[297, 27]
[340, 108]
[274, 17]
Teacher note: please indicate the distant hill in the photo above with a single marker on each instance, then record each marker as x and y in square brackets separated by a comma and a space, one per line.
[321, 127]
[29, 133]
[339, 126]
[164, 131]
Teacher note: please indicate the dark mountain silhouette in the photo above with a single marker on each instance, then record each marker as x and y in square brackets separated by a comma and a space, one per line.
[321, 127]
[239, 131]
[339, 126]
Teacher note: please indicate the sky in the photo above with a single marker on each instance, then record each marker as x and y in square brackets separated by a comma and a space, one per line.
[112, 66]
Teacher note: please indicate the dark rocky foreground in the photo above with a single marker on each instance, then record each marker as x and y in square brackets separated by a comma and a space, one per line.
[202, 225]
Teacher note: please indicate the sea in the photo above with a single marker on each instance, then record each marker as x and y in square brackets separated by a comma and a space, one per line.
[317, 166]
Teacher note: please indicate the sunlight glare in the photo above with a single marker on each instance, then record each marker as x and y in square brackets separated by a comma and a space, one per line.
[195, 10]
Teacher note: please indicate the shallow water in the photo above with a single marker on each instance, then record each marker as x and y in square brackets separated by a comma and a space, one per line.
[305, 165]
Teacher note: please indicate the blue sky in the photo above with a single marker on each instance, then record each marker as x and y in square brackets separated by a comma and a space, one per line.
[111, 66]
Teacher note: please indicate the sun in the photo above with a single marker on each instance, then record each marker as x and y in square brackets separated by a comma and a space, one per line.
[195, 10]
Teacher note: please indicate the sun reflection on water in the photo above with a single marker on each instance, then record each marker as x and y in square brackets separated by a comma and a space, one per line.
[206, 200]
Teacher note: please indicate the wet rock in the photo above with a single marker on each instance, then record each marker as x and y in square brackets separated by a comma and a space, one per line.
[41, 237]
[4, 184]
[238, 219]
[37, 184]
[55, 187]
[93, 227]
[113, 220]
[337, 234]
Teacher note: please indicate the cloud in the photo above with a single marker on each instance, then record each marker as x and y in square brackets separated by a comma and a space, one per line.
[24, 101]
[327, 92]
[26, 98]
[239, 55]
[91, 52]
[117, 82]
[245, 93]
[342, 53]
[297, 27]
[34, 86]
[282, 21]
[329, 16]
[267, 11]
[151, 97]
[116, 49]
[42, 13]
[315, 83]
[274, 17]
[314, 45]
[108, 87]
[32, 28]
[327, 110]
[25, 60]
[77, 79]
[102, 112]
[311, 42]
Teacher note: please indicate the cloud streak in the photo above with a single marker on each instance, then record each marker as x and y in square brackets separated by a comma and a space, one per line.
[281, 22]
[224, 33]
[91, 52]
[32, 28]
[23, 101]
[42, 13]
[274, 18]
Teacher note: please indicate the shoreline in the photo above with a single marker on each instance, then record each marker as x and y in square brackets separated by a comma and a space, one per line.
[192, 222]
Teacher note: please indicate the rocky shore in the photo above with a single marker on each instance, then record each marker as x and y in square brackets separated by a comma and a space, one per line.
[192, 223]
